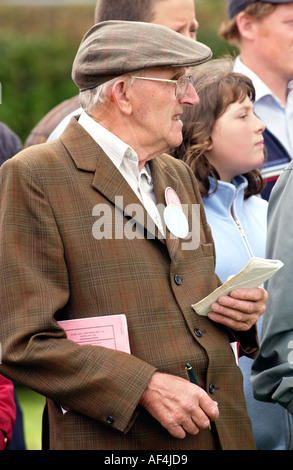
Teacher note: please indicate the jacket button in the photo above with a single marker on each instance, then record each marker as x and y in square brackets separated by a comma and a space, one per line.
[110, 420]
[212, 388]
[198, 332]
[177, 280]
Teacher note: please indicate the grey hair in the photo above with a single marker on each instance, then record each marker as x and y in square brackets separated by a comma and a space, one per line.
[98, 95]
[90, 98]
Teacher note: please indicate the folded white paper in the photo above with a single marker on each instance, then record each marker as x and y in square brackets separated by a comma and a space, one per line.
[254, 273]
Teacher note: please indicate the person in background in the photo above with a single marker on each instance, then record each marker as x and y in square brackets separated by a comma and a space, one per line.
[272, 371]
[135, 81]
[178, 15]
[263, 32]
[223, 145]
[7, 412]
[10, 143]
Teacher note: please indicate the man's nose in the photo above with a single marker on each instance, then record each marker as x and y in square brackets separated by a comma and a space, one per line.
[190, 97]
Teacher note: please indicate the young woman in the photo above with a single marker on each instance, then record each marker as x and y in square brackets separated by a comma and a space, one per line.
[223, 144]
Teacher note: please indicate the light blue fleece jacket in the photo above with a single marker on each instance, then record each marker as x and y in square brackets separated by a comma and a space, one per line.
[239, 230]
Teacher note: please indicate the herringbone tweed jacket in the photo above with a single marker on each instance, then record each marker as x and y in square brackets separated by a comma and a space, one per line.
[54, 267]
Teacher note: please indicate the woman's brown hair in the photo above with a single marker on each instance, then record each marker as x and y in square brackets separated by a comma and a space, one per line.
[217, 87]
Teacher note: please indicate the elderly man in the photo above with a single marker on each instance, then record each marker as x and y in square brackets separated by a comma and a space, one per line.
[63, 257]
[262, 30]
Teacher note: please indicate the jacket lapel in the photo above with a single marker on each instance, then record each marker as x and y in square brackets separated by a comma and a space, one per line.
[88, 156]
[162, 179]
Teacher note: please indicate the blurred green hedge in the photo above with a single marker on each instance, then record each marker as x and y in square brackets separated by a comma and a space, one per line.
[35, 76]
[37, 48]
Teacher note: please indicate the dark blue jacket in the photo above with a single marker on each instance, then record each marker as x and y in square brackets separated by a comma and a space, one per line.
[277, 159]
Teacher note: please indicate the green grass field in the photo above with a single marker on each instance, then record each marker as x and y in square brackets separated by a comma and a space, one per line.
[31, 405]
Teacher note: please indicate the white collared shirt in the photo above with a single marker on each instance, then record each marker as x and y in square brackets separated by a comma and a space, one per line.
[126, 161]
[277, 118]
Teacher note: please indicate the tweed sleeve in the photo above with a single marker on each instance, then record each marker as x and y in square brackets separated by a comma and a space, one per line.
[90, 380]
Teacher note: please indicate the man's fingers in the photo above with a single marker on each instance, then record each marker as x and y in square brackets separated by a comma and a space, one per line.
[188, 426]
[188, 423]
[180, 406]
[241, 309]
[254, 294]
[209, 407]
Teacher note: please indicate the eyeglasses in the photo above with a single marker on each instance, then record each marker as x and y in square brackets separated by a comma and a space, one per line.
[180, 84]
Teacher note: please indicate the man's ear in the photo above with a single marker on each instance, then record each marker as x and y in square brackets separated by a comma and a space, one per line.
[245, 24]
[120, 95]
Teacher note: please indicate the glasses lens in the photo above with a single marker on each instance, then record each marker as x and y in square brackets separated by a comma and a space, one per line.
[182, 85]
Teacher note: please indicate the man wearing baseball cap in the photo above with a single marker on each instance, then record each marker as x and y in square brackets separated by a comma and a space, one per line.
[262, 30]
[85, 235]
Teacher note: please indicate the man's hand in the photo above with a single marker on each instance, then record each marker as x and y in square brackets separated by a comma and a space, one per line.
[180, 406]
[241, 309]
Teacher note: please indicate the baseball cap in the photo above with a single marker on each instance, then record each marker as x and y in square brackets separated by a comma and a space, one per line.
[235, 6]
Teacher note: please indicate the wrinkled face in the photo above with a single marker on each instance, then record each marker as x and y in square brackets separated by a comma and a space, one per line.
[237, 141]
[178, 15]
[273, 37]
[157, 112]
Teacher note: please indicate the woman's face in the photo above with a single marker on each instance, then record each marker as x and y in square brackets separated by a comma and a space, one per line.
[237, 142]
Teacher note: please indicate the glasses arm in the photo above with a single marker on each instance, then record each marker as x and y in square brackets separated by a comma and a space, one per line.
[154, 79]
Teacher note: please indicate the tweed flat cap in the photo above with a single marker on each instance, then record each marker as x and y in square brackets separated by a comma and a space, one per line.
[235, 6]
[113, 48]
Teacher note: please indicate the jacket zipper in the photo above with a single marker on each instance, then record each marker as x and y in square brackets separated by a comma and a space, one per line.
[241, 231]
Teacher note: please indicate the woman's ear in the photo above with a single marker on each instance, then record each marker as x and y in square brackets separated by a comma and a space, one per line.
[120, 96]
[208, 144]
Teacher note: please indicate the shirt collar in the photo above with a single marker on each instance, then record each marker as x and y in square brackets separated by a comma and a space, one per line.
[115, 148]
[261, 89]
